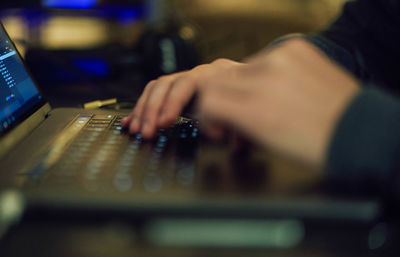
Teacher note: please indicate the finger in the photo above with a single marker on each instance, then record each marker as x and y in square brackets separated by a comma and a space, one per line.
[178, 96]
[154, 104]
[136, 115]
[126, 120]
[185, 87]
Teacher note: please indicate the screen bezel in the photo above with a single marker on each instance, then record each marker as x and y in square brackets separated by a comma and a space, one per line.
[36, 106]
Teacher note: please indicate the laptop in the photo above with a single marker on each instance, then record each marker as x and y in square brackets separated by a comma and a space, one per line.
[74, 161]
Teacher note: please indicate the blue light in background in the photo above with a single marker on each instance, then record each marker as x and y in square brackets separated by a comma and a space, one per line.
[125, 14]
[128, 16]
[70, 4]
[96, 67]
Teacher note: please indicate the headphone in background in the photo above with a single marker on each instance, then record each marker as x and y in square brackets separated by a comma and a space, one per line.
[165, 50]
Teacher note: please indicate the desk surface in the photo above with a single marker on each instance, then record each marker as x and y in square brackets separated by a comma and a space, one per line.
[114, 238]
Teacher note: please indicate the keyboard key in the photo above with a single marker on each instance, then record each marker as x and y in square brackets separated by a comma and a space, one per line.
[101, 151]
[103, 117]
[152, 182]
[100, 122]
[123, 182]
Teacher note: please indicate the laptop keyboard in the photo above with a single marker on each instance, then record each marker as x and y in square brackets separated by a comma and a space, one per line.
[100, 156]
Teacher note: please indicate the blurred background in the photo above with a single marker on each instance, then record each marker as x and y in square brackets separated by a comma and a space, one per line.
[83, 50]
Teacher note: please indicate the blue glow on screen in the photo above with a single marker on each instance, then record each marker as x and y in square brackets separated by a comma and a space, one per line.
[70, 4]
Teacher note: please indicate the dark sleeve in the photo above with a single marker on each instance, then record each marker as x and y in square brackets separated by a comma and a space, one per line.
[364, 152]
[365, 39]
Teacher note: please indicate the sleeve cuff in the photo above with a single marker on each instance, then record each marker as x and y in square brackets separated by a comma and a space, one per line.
[334, 51]
[365, 146]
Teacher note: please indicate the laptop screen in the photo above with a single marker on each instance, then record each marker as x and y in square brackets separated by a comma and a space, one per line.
[19, 96]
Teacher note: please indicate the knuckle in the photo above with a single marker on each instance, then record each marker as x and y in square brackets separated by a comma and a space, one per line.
[183, 79]
[151, 83]
[200, 67]
[297, 44]
[221, 61]
[279, 58]
[164, 79]
[149, 86]
[154, 91]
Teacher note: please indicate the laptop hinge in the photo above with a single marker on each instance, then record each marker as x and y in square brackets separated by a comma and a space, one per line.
[23, 129]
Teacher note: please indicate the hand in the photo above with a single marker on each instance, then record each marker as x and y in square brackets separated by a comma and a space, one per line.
[288, 99]
[164, 99]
